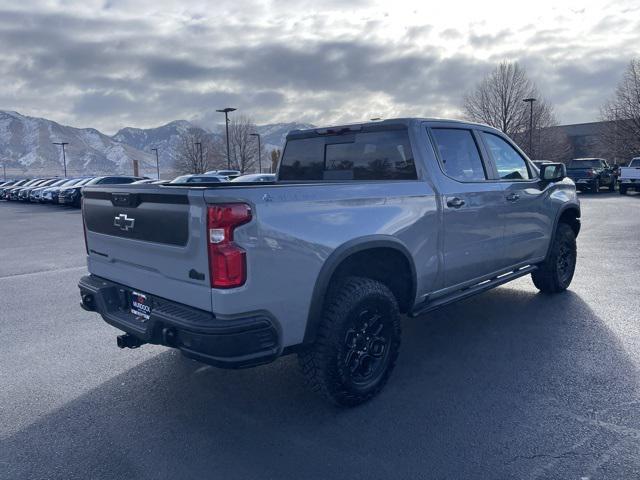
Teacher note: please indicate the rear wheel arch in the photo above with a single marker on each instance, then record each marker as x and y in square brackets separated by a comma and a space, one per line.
[373, 257]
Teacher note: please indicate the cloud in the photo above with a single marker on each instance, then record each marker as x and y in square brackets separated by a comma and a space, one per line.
[488, 39]
[113, 63]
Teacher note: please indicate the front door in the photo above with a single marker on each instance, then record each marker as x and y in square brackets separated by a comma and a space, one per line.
[526, 229]
[473, 229]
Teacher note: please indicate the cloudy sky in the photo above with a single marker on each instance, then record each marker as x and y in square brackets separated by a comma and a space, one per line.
[114, 63]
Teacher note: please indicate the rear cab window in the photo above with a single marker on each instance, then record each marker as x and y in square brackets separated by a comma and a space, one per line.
[458, 154]
[584, 164]
[366, 155]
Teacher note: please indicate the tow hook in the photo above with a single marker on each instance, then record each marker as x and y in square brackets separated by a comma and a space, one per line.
[169, 336]
[88, 302]
[129, 341]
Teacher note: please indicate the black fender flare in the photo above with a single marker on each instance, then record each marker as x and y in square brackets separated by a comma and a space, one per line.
[561, 210]
[333, 262]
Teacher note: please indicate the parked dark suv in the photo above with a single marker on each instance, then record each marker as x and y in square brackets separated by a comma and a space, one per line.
[592, 174]
[73, 195]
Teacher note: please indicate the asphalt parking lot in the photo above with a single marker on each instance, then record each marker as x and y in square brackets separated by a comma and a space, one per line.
[509, 384]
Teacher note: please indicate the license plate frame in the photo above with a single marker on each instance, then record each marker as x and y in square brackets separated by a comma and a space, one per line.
[140, 305]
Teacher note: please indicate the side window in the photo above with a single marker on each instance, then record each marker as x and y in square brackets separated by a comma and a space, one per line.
[510, 165]
[459, 154]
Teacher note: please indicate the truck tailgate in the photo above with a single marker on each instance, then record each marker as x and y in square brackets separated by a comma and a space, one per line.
[579, 173]
[630, 173]
[151, 239]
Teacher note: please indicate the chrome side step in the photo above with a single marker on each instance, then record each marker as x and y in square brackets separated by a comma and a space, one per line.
[430, 305]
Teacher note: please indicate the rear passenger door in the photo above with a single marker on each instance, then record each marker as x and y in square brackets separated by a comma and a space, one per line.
[473, 229]
[526, 224]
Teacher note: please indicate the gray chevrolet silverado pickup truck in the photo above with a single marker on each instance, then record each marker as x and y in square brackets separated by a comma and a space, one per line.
[363, 223]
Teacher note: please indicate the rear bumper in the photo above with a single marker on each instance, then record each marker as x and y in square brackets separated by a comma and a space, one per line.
[630, 183]
[584, 182]
[242, 341]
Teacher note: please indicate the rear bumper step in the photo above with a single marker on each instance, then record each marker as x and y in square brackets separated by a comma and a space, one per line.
[242, 341]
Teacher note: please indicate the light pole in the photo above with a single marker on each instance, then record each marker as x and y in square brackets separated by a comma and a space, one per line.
[615, 142]
[530, 102]
[226, 124]
[64, 156]
[259, 151]
[157, 162]
[199, 145]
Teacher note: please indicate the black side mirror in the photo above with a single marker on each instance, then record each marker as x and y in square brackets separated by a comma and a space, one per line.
[553, 172]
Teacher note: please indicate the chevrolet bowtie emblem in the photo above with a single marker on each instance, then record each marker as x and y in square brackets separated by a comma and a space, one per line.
[123, 222]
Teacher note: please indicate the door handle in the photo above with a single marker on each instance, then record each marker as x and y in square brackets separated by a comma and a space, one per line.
[455, 202]
[512, 197]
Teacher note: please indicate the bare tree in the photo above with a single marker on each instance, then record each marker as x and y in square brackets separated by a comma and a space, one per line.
[620, 136]
[244, 148]
[198, 152]
[275, 159]
[498, 101]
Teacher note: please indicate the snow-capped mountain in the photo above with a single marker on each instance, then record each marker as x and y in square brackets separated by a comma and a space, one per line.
[165, 138]
[26, 146]
[275, 134]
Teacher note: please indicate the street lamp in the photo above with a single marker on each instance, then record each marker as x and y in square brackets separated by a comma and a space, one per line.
[259, 151]
[64, 157]
[226, 124]
[530, 102]
[157, 162]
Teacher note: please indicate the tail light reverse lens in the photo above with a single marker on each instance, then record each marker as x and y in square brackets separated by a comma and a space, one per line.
[227, 261]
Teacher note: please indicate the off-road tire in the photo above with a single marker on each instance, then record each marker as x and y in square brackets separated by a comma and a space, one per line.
[327, 364]
[623, 190]
[554, 275]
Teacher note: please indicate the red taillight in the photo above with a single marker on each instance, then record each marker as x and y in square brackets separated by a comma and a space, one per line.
[227, 261]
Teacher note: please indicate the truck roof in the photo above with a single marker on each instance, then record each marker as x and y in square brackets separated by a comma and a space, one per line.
[381, 124]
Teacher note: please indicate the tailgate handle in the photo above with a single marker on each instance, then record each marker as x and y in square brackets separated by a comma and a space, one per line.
[124, 199]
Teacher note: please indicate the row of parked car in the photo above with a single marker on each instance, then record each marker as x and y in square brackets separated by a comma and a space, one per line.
[68, 191]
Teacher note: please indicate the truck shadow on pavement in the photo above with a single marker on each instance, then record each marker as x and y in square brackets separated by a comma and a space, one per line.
[503, 385]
